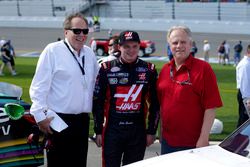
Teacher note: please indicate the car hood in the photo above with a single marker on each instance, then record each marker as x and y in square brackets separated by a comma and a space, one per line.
[10, 90]
[211, 156]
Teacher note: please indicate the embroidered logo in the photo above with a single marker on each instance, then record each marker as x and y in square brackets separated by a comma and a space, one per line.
[128, 35]
[129, 98]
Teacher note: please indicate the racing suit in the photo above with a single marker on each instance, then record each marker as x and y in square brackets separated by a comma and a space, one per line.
[125, 95]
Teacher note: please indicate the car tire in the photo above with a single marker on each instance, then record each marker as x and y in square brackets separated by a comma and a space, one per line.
[141, 53]
[100, 51]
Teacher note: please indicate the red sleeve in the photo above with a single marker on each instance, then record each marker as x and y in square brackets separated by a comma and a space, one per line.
[211, 95]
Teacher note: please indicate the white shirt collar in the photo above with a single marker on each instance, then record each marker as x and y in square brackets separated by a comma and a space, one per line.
[74, 51]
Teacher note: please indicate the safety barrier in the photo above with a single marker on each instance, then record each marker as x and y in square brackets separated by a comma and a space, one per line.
[134, 24]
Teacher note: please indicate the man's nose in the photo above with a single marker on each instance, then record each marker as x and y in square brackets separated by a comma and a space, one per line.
[179, 44]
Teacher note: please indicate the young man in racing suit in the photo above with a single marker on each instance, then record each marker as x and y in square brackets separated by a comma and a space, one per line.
[125, 95]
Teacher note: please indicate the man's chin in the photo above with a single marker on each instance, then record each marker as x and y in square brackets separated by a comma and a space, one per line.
[181, 55]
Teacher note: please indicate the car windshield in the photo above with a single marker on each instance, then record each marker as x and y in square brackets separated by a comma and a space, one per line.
[238, 142]
[10, 90]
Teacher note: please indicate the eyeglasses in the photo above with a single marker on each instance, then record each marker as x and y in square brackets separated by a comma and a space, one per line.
[112, 44]
[78, 31]
[186, 82]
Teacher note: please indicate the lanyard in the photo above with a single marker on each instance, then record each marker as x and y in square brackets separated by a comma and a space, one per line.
[186, 82]
[81, 67]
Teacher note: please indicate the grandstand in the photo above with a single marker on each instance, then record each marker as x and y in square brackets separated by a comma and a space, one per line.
[224, 10]
[40, 7]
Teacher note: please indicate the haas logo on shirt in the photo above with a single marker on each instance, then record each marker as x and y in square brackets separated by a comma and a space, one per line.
[128, 98]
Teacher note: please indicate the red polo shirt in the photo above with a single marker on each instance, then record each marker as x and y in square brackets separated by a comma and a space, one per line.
[184, 96]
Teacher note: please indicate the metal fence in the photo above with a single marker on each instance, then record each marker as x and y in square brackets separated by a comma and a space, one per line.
[222, 10]
[40, 7]
[226, 10]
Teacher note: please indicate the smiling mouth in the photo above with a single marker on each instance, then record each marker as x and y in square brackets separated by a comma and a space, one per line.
[179, 51]
[130, 55]
[80, 39]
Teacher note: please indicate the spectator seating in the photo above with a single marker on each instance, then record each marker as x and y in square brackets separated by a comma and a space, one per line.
[40, 7]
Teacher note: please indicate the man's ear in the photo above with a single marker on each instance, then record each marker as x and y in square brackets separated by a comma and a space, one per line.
[65, 32]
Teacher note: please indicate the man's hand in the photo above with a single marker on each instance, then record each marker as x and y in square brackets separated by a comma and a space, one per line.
[206, 128]
[98, 140]
[44, 125]
[150, 139]
[202, 142]
[248, 104]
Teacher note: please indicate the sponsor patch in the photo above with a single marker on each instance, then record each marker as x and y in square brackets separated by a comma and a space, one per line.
[115, 69]
[142, 82]
[112, 81]
[122, 74]
[123, 80]
[142, 76]
[111, 75]
[141, 69]
[117, 74]
[128, 98]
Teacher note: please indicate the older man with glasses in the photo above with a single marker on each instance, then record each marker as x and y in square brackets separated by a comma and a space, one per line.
[188, 95]
[62, 91]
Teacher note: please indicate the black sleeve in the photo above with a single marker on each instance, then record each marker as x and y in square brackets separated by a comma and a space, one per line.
[154, 107]
[99, 100]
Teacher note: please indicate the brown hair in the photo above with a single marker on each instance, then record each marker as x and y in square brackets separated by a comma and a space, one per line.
[115, 39]
[67, 21]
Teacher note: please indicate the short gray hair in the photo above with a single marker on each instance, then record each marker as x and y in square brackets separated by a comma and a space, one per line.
[183, 28]
[68, 19]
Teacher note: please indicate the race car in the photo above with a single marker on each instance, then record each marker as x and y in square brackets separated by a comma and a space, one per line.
[147, 47]
[16, 125]
[234, 151]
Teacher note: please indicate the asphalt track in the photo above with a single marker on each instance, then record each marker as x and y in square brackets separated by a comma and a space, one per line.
[29, 40]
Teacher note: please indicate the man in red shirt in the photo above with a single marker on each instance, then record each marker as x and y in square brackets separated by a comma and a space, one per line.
[188, 95]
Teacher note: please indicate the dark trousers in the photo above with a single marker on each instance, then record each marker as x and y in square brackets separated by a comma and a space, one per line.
[243, 117]
[70, 147]
[166, 148]
[126, 145]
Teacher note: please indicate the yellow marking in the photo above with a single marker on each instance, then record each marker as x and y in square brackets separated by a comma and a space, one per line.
[13, 142]
[30, 157]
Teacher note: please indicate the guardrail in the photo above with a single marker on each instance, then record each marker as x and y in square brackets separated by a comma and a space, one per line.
[172, 9]
[40, 7]
[133, 24]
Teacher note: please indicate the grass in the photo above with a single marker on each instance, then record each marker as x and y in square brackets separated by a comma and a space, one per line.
[227, 86]
[25, 68]
[225, 76]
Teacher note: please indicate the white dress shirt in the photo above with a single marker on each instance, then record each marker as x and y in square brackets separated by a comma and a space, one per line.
[243, 77]
[59, 84]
